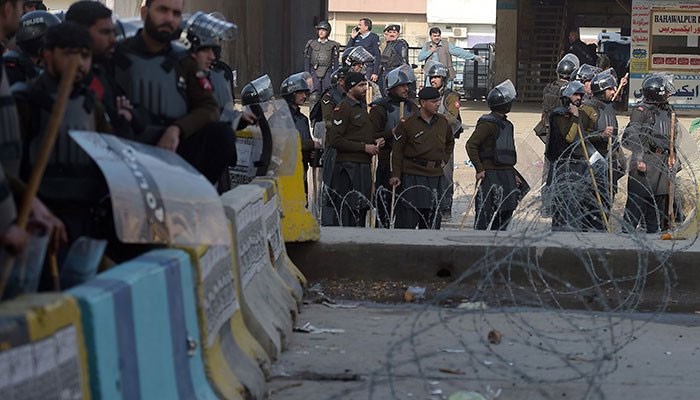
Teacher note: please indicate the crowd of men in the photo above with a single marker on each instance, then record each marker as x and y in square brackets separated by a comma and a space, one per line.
[165, 86]
[387, 158]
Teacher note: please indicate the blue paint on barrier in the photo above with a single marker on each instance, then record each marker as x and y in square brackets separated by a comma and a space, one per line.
[106, 309]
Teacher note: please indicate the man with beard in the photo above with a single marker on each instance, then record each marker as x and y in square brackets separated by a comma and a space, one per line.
[184, 115]
[98, 20]
[599, 125]
[424, 144]
[567, 175]
[385, 116]
[352, 135]
[449, 107]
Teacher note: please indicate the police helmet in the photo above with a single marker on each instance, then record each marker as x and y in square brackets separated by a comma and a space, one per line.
[567, 66]
[356, 55]
[32, 28]
[438, 69]
[298, 82]
[603, 81]
[257, 91]
[338, 74]
[586, 73]
[572, 88]
[206, 30]
[127, 27]
[399, 76]
[502, 97]
[324, 25]
[657, 88]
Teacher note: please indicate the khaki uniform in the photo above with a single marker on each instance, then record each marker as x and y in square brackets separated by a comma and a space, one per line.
[385, 116]
[350, 183]
[420, 152]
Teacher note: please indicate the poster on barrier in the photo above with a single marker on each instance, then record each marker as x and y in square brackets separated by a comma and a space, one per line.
[220, 302]
[157, 197]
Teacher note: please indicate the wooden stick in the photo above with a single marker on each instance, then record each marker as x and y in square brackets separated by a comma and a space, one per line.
[471, 201]
[393, 207]
[671, 167]
[595, 184]
[59, 108]
[610, 171]
[620, 86]
[55, 276]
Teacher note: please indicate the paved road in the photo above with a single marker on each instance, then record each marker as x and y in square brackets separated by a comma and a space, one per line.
[401, 352]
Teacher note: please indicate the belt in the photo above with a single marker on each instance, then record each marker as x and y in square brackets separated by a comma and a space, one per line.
[426, 163]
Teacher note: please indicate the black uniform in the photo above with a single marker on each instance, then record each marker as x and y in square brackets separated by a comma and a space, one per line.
[20, 68]
[167, 85]
[648, 137]
[498, 193]
[595, 117]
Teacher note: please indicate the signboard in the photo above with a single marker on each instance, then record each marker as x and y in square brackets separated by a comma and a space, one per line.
[665, 39]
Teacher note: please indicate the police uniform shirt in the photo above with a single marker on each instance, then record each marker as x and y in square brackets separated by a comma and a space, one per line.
[351, 129]
[421, 147]
[202, 107]
[379, 116]
[329, 101]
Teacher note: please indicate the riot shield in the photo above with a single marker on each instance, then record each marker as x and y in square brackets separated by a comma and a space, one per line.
[157, 197]
[284, 147]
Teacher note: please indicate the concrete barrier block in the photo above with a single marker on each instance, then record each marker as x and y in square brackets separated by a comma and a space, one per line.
[228, 349]
[298, 224]
[141, 325]
[289, 273]
[265, 296]
[42, 349]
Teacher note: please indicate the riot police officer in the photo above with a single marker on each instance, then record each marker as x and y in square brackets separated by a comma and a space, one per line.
[491, 148]
[295, 90]
[358, 59]
[72, 185]
[323, 109]
[321, 59]
[185, 115]
[385, 115]
[566, 67]
[23, 64]
[585, 74]
[648, 137]
[599, 124]
[449, 107]
[202, 36]
[394, 53]
[567, 175]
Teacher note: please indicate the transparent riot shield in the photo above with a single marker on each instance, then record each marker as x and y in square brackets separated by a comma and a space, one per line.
[157, 197]
[279, 126]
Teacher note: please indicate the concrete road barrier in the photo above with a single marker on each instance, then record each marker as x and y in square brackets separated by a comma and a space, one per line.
[271, 217]
[42, 349]
[142, 333]
[265, 299]
[230, 351]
